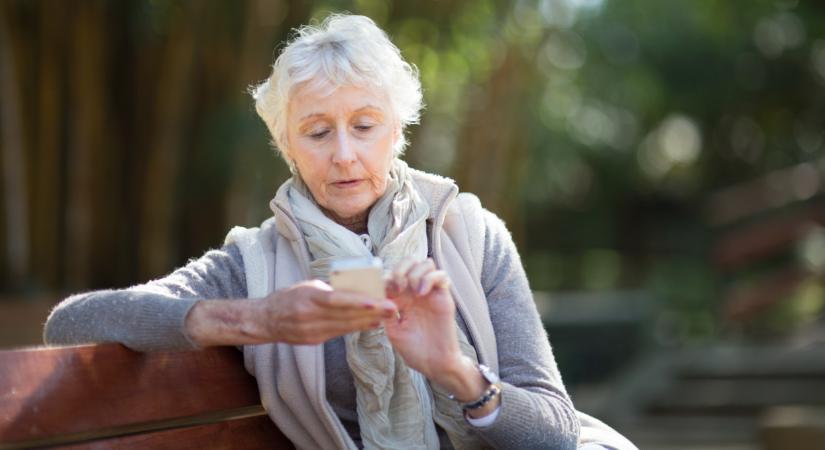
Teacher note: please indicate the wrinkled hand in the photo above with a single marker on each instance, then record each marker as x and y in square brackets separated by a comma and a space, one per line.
[424, 334]
[312, 312]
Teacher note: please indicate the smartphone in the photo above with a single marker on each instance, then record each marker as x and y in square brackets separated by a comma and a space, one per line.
[364, 275]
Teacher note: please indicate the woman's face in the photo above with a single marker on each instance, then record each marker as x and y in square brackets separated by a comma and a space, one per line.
[342, 146]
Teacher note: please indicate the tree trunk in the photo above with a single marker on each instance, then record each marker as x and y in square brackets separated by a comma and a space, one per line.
[492, 146]
[87, 152]
[15, 194]
[261, 26]
[48, 207]
[173, 103]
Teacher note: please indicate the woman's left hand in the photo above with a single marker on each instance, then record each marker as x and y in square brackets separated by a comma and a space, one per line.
[424, 334]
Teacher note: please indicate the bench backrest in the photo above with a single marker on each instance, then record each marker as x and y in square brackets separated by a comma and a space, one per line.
[107, 396]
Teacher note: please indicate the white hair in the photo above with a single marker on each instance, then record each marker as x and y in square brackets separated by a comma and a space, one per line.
[344, 50]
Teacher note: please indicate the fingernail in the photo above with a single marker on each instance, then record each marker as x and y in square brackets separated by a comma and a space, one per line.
[421, 290]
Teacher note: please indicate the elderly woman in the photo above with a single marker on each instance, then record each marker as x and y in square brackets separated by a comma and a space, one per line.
[339, 369]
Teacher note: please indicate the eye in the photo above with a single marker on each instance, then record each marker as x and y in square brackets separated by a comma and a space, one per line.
[364, 127]
[319, 134]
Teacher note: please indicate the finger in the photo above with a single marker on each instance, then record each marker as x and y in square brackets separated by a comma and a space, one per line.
[391, 289]
[320, 329]
[400, 282]
[360, 325]
[417, 272]
[436, 279]
[343, 302]
[334, 328]
[385, 311]
[389, 309]
[349, 300]
[399, 274]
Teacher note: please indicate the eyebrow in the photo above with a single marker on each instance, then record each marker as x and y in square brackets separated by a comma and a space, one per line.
[361, 109]
[369, 106]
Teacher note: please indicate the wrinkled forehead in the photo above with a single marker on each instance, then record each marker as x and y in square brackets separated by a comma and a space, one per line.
[317, 94]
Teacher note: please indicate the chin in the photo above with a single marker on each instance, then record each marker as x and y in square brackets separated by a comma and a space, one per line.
[347, 204]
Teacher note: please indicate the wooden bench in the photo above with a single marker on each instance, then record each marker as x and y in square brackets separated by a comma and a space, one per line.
[729, 395]
[107, 396]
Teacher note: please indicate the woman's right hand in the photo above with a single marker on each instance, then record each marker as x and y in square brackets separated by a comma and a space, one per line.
[308, 313]
[312, 312]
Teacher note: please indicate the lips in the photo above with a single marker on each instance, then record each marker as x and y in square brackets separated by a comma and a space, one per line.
[346, 184]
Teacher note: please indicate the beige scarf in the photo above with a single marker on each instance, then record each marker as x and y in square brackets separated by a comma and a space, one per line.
[396, 406]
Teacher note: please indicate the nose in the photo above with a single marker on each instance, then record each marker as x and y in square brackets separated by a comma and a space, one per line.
[344, 150]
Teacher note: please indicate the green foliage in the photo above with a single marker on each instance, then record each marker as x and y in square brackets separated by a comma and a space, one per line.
[627, 116]
[799, 308]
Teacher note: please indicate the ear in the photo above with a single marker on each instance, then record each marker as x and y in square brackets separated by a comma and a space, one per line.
[283, 145]
[285, 155]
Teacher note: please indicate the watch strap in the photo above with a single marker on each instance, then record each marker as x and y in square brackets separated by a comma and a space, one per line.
[492, 391]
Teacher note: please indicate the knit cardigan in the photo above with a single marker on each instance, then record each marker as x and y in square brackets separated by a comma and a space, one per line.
[275, 260]
[151, 316]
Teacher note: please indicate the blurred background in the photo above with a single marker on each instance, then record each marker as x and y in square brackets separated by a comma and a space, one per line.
[659, 163]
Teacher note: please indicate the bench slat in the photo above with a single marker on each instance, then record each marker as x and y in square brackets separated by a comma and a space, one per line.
[251, 433]
[51, 392]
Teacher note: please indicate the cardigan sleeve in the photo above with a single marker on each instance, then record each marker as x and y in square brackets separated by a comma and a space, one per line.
[150, 316]
[535, 410]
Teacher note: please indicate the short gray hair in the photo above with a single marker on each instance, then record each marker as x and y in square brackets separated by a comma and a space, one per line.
[343, 50]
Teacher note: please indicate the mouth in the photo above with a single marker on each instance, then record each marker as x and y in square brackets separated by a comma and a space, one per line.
[346, 184]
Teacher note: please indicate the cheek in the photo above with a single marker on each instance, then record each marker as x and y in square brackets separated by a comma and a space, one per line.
[379, 184]
[383, 162]
[382, 154]
[380, 174]
[312, 170]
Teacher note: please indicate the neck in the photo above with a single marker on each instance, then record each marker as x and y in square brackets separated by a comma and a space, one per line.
[357, 223]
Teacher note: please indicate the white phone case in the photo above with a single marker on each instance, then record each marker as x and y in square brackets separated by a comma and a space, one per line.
[363, 275]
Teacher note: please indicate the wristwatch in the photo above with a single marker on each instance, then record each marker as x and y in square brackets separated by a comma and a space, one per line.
[490, 393]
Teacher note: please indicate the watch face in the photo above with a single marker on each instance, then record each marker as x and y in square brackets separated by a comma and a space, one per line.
[488, 374]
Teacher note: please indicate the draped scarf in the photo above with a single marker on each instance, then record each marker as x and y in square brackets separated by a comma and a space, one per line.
[396, 405]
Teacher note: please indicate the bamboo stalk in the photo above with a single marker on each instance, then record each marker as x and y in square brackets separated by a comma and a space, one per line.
[86, 142]
[261, 25]
[15, 192]
[47, 205]
[173, 103]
